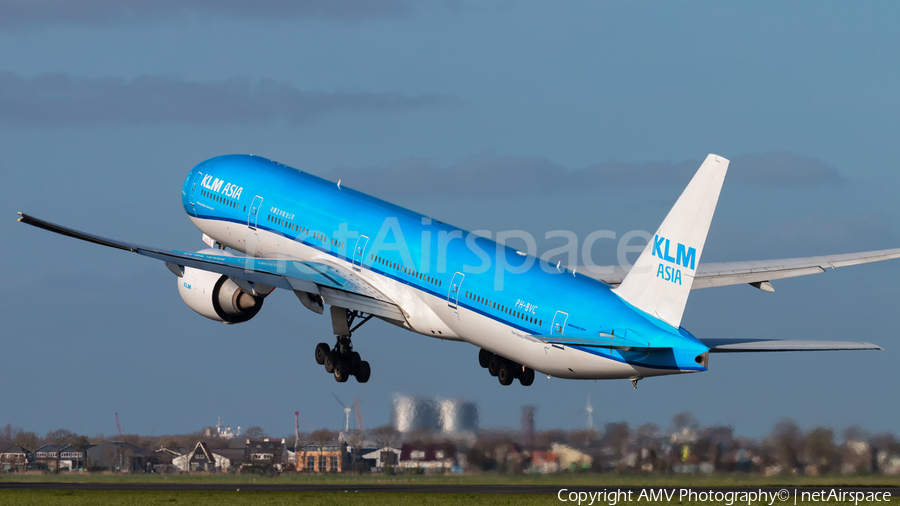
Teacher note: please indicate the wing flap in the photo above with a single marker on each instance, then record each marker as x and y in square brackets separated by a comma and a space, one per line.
[362, 303]
[738, 277]
[763, 345]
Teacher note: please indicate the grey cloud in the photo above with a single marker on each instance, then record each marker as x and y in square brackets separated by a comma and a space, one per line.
[767, 169]
[784, 169]
[492, 175]
[29, 13]
[55, 99]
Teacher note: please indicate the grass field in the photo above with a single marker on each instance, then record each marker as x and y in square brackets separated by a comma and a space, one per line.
[568, 479]
[104, 498]
[237, 497]
[75, 498]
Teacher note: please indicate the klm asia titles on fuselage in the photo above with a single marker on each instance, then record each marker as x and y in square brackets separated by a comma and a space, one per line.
[230, 190]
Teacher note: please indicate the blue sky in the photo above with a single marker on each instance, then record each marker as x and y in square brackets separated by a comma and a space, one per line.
[502, 115]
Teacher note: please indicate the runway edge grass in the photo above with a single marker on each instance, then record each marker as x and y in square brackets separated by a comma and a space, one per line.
[142, 498]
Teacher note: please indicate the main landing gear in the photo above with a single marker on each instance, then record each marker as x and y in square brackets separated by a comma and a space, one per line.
[504, 369]
[341, 360]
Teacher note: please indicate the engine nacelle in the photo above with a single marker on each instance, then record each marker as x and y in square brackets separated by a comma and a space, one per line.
[217, 297]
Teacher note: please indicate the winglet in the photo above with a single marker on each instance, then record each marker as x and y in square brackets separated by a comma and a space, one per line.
[661, 279]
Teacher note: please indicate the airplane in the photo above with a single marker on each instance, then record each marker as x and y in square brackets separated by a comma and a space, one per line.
[271, 226]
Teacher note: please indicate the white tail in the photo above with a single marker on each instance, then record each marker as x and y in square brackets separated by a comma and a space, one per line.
[661, 279]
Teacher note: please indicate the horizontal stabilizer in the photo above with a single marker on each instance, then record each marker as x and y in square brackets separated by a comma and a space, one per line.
[758, 345]
[601, 341]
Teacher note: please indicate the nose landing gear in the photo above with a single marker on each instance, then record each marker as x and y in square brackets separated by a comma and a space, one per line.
[341, 360]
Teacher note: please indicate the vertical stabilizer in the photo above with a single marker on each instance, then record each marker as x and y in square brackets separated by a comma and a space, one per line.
[661, 279]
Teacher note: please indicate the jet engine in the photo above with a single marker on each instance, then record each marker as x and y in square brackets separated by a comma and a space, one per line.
[217, 297]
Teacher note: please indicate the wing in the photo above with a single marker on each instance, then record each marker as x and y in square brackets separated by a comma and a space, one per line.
[337, 286]
[756, 345]
[757, 273]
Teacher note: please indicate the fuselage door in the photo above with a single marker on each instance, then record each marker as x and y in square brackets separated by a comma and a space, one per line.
[193, 195]
[455, 284]
[359, 251]
[559, 323]
[253, 215]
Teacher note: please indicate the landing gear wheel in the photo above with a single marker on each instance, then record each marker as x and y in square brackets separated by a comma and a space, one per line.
[364, 372]
[341, 360]
[329, 362]
[484, 357]
[494, 365]
[526, 378]
[505, 373]
[322, 349]
[341, 371]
